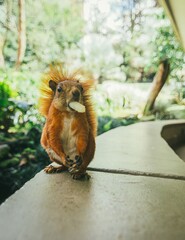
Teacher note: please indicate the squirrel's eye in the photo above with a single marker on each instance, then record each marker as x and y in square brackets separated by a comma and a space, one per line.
[59, 89]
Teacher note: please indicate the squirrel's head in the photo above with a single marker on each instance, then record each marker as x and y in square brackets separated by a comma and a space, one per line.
[65, 92]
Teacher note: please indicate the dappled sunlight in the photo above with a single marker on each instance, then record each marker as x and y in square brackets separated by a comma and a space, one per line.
[121, 99]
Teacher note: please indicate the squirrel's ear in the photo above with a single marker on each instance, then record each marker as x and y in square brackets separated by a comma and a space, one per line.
[52, 85]
[80, 86]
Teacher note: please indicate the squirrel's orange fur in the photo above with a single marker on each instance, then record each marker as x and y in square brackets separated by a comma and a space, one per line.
[68, 136]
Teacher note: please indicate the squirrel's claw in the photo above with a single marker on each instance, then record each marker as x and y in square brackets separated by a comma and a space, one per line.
[69, 162]
[52, 169]
[81, 176]
[75, 164]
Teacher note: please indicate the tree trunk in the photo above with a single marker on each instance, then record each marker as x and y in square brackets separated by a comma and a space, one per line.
[2, 62]
[21, 33]
[158, 82]
[3, 39]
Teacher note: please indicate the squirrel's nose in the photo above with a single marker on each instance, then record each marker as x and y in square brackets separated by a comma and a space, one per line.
[76, 94]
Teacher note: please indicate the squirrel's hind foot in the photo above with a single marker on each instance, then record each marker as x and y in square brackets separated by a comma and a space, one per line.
[81, 176]
[52, 169]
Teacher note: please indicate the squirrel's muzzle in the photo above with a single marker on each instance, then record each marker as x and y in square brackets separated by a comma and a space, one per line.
[76, 95]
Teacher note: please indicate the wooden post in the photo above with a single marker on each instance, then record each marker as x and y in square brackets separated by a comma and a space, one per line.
[158, 82]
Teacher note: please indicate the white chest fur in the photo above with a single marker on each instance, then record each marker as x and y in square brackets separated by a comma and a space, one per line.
[68, 139]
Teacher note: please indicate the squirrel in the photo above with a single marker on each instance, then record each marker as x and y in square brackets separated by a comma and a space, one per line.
[68, 135]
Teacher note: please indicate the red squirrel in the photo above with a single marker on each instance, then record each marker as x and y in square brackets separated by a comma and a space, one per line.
[68, 136]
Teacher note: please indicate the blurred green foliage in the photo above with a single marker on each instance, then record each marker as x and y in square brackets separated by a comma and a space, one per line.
[18, 100]
[7, 106]
[113, 40]
[166, 46]
[52, 27]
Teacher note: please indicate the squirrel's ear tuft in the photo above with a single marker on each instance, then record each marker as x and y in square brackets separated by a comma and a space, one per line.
[52, 85]
[79, 86]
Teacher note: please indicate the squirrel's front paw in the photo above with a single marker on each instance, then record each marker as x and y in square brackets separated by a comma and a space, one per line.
[74, 164]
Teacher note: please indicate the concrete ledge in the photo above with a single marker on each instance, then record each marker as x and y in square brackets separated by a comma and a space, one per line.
[139, 147]
[109, 206]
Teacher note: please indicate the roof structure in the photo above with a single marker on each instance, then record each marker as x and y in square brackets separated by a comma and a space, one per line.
[175, 10]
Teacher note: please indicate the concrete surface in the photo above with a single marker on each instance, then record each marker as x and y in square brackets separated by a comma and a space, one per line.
[138, 147]
[111, 205]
